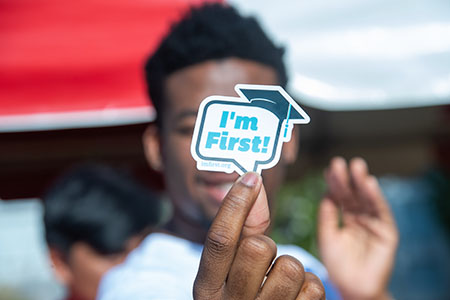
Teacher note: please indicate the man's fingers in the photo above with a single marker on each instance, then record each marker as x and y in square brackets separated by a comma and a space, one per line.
[368, 191]
[312, 288]
[253, 258]
[328, 221]
[359, 173]
[378, 200]
[348, 186]
[223, 236]
[339, 184]
[284, 280]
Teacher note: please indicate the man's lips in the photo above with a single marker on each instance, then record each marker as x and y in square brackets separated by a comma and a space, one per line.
[218, 192]
[217, 185]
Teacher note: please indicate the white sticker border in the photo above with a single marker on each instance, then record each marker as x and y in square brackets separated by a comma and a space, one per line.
[218, 165]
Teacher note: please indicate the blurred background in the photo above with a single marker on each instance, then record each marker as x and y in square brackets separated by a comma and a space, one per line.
[373, 75]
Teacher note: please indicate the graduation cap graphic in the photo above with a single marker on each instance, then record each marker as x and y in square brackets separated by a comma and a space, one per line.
[272, 112]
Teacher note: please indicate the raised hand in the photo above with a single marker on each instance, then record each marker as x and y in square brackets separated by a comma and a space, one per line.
[359, 249]
[237, 256]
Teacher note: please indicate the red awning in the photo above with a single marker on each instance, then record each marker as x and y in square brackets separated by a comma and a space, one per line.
[70, 64]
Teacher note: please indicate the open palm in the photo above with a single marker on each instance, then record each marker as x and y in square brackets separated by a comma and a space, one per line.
[357, 233]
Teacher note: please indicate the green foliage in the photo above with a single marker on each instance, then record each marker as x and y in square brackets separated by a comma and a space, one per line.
[8, 293]
[295, 220]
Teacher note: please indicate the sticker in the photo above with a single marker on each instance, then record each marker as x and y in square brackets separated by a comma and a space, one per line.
[244, 133]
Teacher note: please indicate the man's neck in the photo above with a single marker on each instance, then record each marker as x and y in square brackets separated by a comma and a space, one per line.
[186, 229]
[73, 296]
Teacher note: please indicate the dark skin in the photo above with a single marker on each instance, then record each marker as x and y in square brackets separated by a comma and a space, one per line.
[237, 255]
[196, 195]
[359, 256]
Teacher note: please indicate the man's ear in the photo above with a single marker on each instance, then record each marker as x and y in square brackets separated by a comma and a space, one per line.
[151, 140]
[290, 149]
[60, 266]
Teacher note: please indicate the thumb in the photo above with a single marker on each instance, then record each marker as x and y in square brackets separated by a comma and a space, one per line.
[258, 220]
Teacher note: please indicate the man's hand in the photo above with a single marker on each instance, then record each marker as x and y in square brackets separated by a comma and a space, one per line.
[359, 254]
[237, 258]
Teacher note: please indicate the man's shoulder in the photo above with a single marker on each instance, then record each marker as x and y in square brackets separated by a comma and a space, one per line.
[163, 252]
[165, 266]
[157, 247]
[159, 253]
[153, 270]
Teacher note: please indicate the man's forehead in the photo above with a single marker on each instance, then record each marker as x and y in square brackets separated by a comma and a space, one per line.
[193, 84]
[185, 89]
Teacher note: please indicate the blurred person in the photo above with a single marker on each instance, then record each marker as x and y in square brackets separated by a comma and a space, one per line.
[94, 216]
[207, 53]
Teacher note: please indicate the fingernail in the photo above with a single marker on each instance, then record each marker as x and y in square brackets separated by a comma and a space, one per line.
[250, 179]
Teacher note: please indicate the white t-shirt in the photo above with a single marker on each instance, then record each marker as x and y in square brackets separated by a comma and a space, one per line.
[164, 267]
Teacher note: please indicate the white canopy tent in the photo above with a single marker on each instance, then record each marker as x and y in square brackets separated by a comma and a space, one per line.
[353, 55]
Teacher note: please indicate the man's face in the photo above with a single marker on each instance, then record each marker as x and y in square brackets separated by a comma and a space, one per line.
[196, 195]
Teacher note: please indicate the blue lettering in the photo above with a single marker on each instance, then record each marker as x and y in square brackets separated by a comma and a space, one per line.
[244, 145]
[213, 138]
[266, 143]
[224, 119]
[245, 122]
[255, 144]
[223, 141]
[232, 143]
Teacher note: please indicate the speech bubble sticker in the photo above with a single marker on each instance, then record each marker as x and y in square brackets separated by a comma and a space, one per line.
[244, 133]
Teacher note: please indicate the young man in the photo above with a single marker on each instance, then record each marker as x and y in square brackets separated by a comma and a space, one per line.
[207, 53]
[93, 217]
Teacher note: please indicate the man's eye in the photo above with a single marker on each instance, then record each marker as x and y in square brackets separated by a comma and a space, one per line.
[185, 130]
